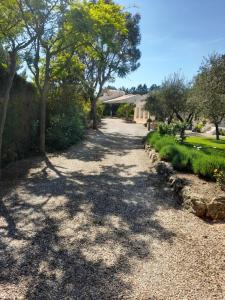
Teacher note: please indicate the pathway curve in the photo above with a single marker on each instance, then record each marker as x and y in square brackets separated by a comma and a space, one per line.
[96, 223]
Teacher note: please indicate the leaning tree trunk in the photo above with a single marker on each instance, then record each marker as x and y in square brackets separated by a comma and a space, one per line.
[94, 113]
[217, 131]
[4, 100]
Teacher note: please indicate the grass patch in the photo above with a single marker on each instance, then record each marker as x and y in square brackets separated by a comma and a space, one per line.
[207, 142]
[201, 161]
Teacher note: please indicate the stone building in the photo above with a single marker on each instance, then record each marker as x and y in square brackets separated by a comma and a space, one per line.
[140, 114]
[118, 97]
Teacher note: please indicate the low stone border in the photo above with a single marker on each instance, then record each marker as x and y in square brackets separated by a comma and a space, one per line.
[198, 204]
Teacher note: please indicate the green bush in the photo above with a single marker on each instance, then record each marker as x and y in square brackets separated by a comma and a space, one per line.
[64, 131]
[182, 160]
[198, 127]
[222, 132]
[100, 110]
[206, 165]
[168, 152]
[172, 128]
[125, 110]
[158, 141]
[164, 128]
[23, 111]
[164, 141]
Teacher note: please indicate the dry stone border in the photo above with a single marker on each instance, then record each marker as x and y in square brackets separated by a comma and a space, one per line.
[200, 205]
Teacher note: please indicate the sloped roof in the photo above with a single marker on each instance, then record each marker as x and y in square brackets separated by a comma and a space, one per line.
[130, 98]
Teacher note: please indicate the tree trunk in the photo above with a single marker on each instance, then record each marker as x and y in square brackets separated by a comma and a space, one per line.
[182, 134]
[4, 100]
[42, 123]
[94, 113]
[43, 96]
[170, 119]
[217, 131]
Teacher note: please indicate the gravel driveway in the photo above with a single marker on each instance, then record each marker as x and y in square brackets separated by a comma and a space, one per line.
[96, 223]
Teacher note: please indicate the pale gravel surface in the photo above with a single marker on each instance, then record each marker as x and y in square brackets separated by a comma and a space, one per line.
[96, 223]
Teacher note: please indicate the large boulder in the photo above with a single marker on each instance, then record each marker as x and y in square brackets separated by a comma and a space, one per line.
[216, 208]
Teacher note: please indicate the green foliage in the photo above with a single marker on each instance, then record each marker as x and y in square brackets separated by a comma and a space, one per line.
[64, 131]
[209, 145]
[100, 110]
[67, 116]
[156, 105]
[140, 89]
[222, 132]
[206, 165]
[125, 110]
[198, 127]
[168, 152]
[186, 158]
[158, 141]
[182, 160]
[172, 128]
[210, 89]
[20, 136]
[109, 38]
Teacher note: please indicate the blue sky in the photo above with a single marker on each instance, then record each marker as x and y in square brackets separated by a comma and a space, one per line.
[176, 35]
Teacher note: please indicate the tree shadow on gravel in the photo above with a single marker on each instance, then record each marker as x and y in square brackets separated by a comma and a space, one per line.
[58, 266]
[96, 147]
[81, 234]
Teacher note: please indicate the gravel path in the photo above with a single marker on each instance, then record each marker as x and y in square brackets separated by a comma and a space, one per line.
[96, 223]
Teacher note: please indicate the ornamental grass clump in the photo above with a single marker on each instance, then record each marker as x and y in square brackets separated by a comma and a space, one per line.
[205, 165]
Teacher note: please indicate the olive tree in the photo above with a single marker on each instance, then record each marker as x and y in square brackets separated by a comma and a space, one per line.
[210, 89]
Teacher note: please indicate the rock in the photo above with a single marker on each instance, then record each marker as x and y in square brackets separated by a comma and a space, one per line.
[194, 202]
[164, 169]
[147, 147]
[199, 207]
[216, 208]
[152, 154]
[177, 183]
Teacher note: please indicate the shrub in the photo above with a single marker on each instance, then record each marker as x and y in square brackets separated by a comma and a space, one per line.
[23, 111]
[164, 128]
[64, 131]
[157, 141]
[222, 132]
[125, 110]
[198, 127]
[182, 160]
[168, 152]
[172, 129]
[164, 141]
[100, 110]
[205, 165]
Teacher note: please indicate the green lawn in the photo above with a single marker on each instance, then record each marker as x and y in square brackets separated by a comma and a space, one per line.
[209, 145]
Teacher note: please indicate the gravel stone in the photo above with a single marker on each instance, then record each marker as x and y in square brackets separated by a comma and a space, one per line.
[97, 222]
